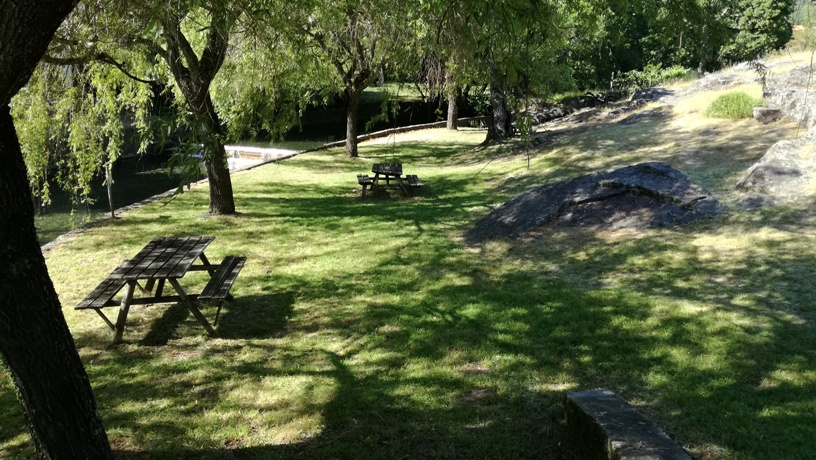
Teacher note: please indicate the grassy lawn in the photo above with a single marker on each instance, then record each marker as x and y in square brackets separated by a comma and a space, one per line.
[368, 329]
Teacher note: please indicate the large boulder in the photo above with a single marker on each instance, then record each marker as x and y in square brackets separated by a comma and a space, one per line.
[645, 195]
[784, 172]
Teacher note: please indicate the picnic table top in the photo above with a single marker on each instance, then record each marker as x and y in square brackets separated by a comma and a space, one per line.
[391, 169]
[163, 258]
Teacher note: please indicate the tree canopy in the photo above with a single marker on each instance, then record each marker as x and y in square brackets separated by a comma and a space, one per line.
[234, 69]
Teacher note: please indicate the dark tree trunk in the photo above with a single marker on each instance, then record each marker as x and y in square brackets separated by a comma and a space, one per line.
[352, 111]
[194, 80]
[499, 128]
[218, 175]
[34, 339]
[453, 110]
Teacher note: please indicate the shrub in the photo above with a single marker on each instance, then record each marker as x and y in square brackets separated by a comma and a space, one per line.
[652, 75]
[733, 105]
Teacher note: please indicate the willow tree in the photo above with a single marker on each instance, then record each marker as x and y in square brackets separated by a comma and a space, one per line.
[357, 39]
[35, 342]
[177, 47]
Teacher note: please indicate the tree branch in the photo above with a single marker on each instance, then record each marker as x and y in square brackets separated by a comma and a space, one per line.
[99, 57]
[178, 42]
[216, 50]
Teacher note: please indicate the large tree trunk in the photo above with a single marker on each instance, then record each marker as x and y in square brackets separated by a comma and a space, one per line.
[34, 338]
[352, 111]
[218, 175]
[453, 110]
[499, 129]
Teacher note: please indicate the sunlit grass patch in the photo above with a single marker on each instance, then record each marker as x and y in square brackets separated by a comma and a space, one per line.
[733, 105]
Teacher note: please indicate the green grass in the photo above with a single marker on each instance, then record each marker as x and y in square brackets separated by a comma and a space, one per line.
[367, 329]
[733, 105]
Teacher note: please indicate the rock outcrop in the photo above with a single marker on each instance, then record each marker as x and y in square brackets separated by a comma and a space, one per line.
[787, 170]
[645, 195]
[793, 93]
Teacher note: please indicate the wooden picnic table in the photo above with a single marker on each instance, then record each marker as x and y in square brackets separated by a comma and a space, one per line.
[163, 260]
[388, 172]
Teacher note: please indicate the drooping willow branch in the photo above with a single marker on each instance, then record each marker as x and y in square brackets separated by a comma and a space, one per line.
[99, 57]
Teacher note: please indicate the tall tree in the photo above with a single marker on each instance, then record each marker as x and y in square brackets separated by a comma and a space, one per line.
[509, 46]
[34, 339]
[193, 74]
[357, 38]
[762, 25]
[179, 45]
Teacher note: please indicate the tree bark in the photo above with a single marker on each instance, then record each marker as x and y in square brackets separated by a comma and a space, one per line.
[453, 110]
[352, 111]
[453, 100]
[218, 175]
[499, 129]
[34, 339]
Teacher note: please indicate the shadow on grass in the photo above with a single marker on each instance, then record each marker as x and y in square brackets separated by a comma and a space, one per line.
[255, 317]
[242, 318]
[433, 350]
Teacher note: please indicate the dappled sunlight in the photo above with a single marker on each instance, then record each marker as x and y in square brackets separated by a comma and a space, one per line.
[364, 326]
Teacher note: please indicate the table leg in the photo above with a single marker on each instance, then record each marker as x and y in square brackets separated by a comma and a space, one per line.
[206, 261]
[149, 285]
[376, 180]
[402, 185]
[105, 318]
[191, 306]
[124, 307]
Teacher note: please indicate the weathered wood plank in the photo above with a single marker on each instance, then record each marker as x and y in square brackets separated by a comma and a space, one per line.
[101, 294]
[414, 181]
[221, 282]
[190, 257]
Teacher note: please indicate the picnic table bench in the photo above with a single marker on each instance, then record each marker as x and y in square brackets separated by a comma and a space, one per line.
[161, 261]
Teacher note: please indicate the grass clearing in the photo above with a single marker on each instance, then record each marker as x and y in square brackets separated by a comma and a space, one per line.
[367, 329]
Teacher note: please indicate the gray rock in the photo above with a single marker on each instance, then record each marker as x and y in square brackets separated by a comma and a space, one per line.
[716, 81]
[792, 93]
[755, 201]
[767, 115]
[645, 195]
[748, 66]
[652, 94]
[782, 172]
